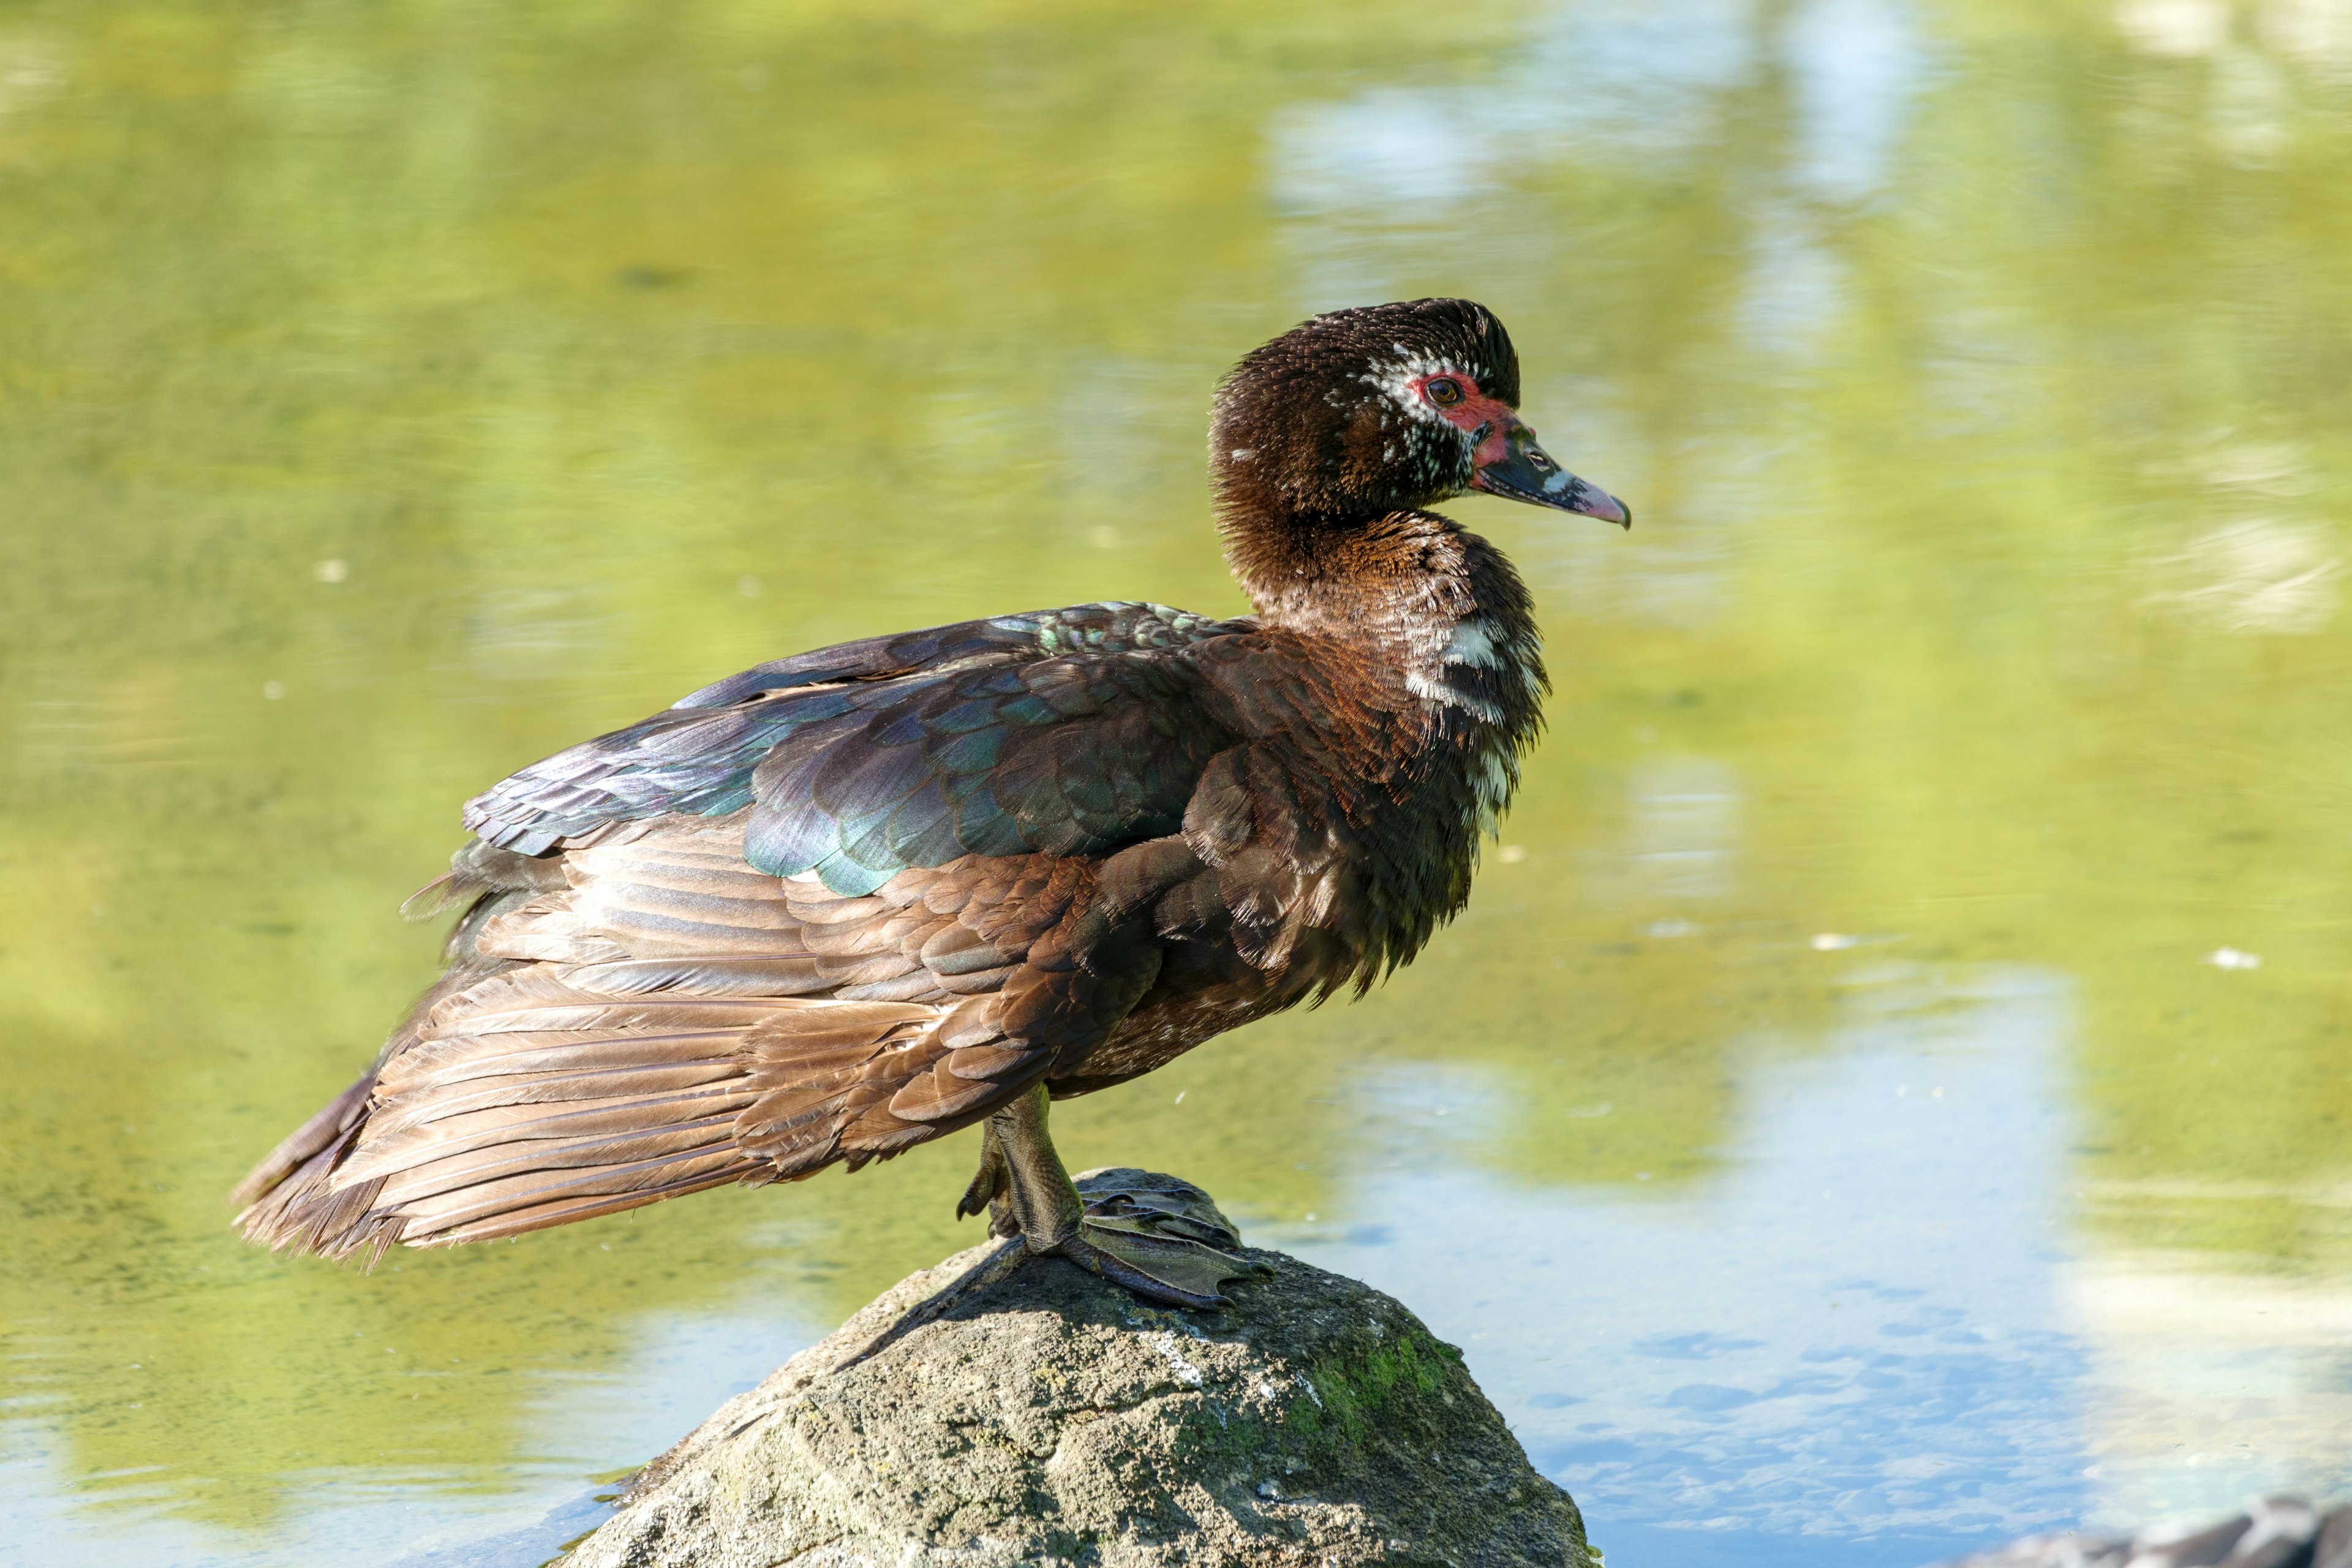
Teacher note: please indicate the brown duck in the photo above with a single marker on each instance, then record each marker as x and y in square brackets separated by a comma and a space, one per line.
[852, 900]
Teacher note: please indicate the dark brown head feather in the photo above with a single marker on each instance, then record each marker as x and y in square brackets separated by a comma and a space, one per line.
[1305, 427]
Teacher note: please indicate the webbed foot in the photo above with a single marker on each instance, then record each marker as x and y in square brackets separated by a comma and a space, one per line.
[1156, 1236]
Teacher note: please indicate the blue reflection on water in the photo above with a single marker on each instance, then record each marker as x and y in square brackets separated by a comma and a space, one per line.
[1845, 1346]
[686, 1363]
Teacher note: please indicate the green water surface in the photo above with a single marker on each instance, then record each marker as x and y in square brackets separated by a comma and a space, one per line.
[391, 394]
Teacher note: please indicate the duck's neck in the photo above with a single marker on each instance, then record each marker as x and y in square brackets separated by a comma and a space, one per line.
[1428, 625]
[1447, 618]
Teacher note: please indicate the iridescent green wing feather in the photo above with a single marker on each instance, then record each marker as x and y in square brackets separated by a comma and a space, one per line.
[1074, 755]
[910, 749]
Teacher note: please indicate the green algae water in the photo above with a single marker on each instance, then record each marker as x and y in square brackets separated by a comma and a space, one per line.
[1891, 1087]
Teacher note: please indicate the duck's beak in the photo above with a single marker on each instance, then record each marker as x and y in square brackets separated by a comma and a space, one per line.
[1522, 471]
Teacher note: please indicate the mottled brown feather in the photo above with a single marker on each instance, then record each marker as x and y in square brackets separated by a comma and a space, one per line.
[529, 1090]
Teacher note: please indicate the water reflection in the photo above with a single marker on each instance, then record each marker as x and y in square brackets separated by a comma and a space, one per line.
[2255, 576]
[2203, 1378]
[1848, 1342]
[1978, 371]
[1856, 64]
[1870, 1336]
[1682, 834]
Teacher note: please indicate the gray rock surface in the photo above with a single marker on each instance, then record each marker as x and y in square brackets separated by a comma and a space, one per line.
[1047, 1417]
[2276, 1532]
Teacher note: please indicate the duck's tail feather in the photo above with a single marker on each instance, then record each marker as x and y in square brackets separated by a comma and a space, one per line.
[644, 1020]
[556, 1092]
[304, 1144]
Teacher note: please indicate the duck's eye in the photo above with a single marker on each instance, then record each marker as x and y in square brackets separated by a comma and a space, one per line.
[1445, 391]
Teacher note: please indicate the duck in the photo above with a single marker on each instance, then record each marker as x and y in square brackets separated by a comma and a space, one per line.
[852, 900]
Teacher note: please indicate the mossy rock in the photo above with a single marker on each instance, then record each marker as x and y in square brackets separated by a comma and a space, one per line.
[1051, 1418]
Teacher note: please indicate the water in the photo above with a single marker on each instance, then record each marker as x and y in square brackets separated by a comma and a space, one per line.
[1828, 1133]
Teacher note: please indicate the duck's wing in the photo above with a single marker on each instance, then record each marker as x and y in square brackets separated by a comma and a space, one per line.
[871, 756]
[666, 1019]
[838, 918]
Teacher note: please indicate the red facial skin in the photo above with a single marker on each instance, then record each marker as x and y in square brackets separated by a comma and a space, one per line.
[1475, 409]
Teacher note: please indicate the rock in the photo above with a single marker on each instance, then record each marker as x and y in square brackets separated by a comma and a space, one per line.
[1046, 1417]
[2275, 1533]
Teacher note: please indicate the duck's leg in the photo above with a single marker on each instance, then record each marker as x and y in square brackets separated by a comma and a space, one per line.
[1158, 1240]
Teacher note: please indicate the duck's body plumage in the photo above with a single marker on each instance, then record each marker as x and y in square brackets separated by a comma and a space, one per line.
[848, 901]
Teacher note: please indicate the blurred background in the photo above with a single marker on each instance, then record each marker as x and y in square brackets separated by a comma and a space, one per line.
[1890, 1090]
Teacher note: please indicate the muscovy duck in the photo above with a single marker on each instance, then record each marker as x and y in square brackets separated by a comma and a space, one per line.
[848, 901]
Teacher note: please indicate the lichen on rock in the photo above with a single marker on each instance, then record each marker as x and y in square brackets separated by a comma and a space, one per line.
[1048, 1417]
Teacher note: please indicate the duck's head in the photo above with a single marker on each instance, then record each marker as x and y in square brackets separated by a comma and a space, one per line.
[1360, 414]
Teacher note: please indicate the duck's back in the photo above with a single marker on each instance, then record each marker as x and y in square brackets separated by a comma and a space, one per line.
[1064, 730]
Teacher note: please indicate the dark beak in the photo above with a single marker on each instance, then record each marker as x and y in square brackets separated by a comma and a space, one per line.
[1525, 472]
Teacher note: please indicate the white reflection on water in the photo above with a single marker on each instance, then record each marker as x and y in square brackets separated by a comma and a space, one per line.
[2316, 33]
[1684, 821]
[1369, 181]
[2252, 577]
[2178, 27]
[1795, 287]
[2203, 1380]
[1856, 1331]
[1856, 64]
[1865, 1340]
[1621, 79]
[1388, 147]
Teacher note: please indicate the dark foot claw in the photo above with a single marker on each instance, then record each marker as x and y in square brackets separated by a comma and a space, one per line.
[1157, 1237]
[990, 1190]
